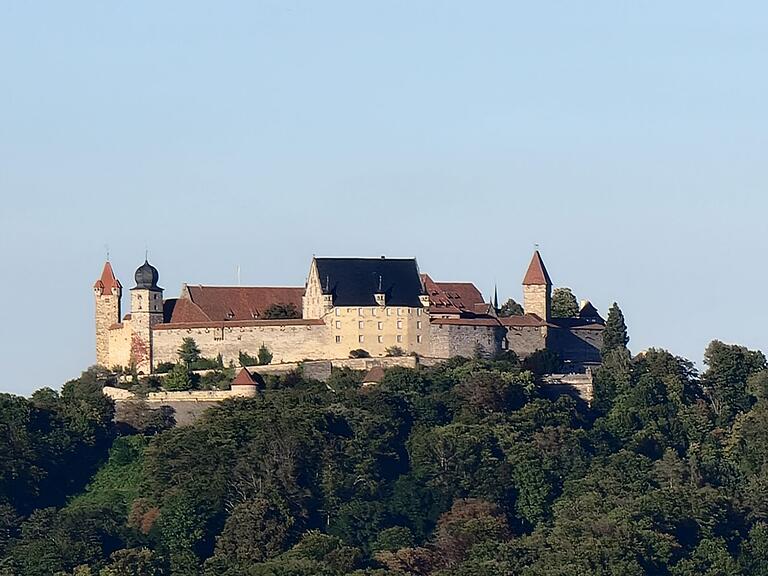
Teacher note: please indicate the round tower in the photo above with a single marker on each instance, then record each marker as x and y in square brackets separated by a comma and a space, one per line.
[537, 289]
[146, 312]
[108, 293]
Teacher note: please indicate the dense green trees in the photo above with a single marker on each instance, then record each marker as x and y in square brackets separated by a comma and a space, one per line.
[459, 469]
[279, 311]
[510, 308]
[564, 304]
[615, 335]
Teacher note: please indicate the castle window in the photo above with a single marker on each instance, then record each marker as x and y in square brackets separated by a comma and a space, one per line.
[338, 324]
[399, 311]
[399, 324]
[361, 338]
[380, 339]
[380, 325]
[359, 311]
[418, 311]
[389, 311]
[361, 324]
[399, 338]
[338, 339]
[418, 325]
[338, 311]
[373, 311]
[418, 338]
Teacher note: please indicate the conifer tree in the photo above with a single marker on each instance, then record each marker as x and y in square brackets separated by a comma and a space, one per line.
[615, 333]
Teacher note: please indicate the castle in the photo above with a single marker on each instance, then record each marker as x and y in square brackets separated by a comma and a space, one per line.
[370, 304]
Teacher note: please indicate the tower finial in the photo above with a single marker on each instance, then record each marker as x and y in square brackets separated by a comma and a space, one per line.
[379, 283]
[106, 249]
[495, 297]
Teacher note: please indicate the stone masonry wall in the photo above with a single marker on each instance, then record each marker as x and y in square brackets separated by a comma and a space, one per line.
[449, 340]
[537, 300]
[107, 314]
[287, 343]
[525, 340]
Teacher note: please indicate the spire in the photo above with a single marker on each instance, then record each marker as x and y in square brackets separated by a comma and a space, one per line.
[496, 297]
[108, 281]
[537, 273]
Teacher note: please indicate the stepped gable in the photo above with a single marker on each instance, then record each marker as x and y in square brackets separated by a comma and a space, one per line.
[356, 281]
[107, 281]
[231, 303]
[453, 297]
[537, 274]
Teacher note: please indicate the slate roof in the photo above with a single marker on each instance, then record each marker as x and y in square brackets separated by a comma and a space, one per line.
[588, 311]
[355, 281]
[576, 323]
[537, 273]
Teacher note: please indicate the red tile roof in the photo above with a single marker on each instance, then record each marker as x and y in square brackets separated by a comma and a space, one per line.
[185, 310]
[231, 303]
[108, 281]
[243, 378]
[466, 321]
[241, 323]
[537, 273]
[451, 297]
[374, 375]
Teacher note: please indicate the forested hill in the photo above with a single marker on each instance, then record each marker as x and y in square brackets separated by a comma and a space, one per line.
[456, 470]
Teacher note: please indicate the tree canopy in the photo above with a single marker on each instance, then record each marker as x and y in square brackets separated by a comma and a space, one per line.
[510, 308]
[465, 468]
[615, 334]
[564, 304]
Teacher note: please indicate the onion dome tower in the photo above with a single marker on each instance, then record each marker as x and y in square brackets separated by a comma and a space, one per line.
[146, 312]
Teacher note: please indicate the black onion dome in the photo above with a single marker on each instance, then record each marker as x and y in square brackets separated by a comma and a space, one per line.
[146, 277]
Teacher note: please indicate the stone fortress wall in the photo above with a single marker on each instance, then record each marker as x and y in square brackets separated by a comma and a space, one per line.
[148, 336]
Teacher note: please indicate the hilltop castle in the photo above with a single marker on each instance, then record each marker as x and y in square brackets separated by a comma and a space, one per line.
[373, 304]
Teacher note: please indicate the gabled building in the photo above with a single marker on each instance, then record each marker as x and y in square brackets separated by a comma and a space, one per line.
[377, 305]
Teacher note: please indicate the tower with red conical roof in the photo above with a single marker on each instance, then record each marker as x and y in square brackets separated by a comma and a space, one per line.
[108, 292]
[537, 289]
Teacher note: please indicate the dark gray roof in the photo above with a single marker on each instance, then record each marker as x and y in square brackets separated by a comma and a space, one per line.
[146, 277]
[571, 323]
[355, 281]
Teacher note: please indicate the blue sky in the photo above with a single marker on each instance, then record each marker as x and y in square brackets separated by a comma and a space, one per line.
[627, 139]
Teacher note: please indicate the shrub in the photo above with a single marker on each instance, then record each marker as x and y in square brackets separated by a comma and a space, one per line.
[395, 351]
[359, 353]
[178, 379]
[246, 359]
[164, 367]
[264, 356]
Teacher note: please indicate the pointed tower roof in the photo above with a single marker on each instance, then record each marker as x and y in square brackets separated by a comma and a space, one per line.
[244, 378]
[537, 273]
[108, 281]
